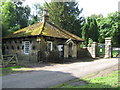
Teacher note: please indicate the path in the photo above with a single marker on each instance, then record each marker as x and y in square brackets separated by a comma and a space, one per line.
[53, 75]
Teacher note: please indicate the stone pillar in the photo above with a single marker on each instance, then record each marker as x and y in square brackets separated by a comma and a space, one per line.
[45, 16]
[108, 48]
[94, 49]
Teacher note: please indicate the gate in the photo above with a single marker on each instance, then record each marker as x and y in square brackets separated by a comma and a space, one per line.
[101, 50]
[9, 60]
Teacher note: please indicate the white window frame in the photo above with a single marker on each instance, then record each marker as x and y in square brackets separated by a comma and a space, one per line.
[51, 45]
[26, 47]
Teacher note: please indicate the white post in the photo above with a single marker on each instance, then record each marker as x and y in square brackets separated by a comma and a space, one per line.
[94, 47]
[108, 49]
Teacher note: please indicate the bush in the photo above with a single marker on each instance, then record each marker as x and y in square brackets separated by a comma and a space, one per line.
[114, 53]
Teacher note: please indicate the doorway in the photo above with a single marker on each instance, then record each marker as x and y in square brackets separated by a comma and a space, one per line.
[70, 50]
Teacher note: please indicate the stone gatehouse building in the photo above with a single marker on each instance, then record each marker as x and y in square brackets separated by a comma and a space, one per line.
[42, 41]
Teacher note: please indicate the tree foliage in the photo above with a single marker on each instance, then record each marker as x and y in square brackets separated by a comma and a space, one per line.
[94, 31]
[85, 33]
[14, 16]
[109, 28]
[90, 30]
[99, 27]
[66, 15]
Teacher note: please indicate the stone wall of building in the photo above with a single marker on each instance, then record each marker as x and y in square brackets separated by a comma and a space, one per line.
[38, 50]
[16, 47]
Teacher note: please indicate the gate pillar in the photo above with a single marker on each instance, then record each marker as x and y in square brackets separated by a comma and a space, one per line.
[94, 49]
[108, 48]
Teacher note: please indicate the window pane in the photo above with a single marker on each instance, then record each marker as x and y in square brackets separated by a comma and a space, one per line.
[26, 47]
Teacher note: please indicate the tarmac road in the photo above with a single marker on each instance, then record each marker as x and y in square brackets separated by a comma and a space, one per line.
[53, 75]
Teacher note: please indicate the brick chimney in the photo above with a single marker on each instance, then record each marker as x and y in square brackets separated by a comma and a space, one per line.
[45, 16]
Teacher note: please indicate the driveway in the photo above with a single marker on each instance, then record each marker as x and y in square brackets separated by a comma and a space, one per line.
[53, 75]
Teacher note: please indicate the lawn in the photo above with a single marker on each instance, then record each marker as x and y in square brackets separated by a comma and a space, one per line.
[107, 81]
[13, 69]
[8, 70]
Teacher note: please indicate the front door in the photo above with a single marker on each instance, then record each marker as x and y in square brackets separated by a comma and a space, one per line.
[70, 50]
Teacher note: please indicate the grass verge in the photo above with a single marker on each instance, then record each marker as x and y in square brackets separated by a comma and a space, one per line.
[11, 70]
[109, 81]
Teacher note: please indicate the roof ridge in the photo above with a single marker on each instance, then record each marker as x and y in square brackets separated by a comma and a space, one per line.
[43, 25]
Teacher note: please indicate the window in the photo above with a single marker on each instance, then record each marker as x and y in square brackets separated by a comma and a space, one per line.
[49, 46]
[26, 47]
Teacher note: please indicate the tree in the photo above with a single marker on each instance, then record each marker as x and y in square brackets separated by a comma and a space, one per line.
[94, 31]
[109, 27]
[90, 29]
[85, 33]
[14, 16]
[38, 13]
[8, 16]
[66, 15]
[22, 14]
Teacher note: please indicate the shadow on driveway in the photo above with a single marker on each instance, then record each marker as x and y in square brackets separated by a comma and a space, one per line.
[40, 79]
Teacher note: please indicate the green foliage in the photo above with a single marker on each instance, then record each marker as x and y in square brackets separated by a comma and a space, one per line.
[108, 81]
[108, 27]
[22, 14]
[14, 16]
[8, 70]
[90, 41]
[99, 27]
[94, 33]
[90, 30]
[114, 53]
[85, 33]
[8, 16]
[66, 15]
[13, 29]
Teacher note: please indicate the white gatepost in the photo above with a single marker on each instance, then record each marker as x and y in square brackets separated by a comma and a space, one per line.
[94, 49]
[108, 48]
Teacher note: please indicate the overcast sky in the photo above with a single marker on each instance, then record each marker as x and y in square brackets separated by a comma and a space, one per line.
[90, 6]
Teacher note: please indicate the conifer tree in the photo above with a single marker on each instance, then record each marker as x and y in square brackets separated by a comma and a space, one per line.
[66, 15]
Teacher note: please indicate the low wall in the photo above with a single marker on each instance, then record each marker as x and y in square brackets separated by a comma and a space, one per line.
[83, 53]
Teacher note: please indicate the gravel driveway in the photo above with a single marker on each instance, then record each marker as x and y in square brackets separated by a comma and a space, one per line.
[52, 75]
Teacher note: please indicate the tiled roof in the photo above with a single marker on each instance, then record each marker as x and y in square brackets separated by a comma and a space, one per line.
[49, 30]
